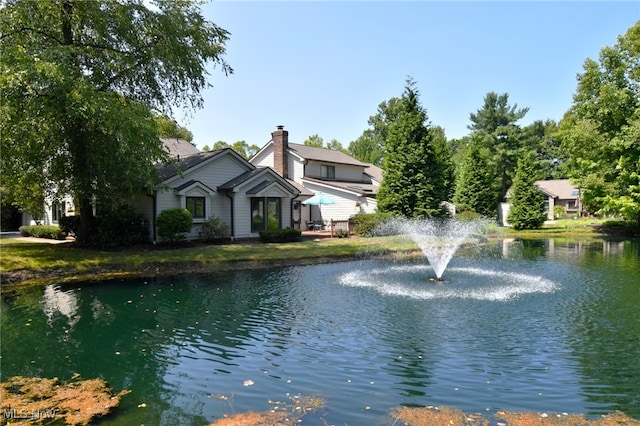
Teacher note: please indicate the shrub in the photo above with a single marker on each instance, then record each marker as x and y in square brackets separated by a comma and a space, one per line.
[365, 224]
[467, 216]
[280, 235]
[121, 226]
[342, 233]
[69, 224]
[42, 231]
[213, 228]
[559, 211]
[174, 223]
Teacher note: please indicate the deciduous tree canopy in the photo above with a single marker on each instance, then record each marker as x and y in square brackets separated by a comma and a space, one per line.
[79, 82]
[601, 131]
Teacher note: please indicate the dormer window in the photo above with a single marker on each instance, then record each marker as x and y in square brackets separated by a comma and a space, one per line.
[328, 172]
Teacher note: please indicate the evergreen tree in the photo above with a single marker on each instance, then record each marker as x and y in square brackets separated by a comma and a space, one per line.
[418, 175]
[527, 201]
[496, 124]
[475, 184]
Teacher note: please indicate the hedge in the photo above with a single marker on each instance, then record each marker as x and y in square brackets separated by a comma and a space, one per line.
[42, 231]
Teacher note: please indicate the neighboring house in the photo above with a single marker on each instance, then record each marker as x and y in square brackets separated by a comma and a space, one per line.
[558, 192]
[222, 184]
[351, 183]
[211, 184]
[561, 193]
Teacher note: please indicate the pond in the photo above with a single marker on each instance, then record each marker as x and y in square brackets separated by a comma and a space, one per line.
[532, 325]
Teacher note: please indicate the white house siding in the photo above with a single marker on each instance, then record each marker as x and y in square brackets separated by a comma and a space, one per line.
[296, 169]
[223, 169]
[264, 159]
[368, 205]
[344, 208]
[343, 171]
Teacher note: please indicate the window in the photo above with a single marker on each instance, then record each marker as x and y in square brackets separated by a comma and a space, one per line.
[57, 211]
[265, 214]
[195, 205]
[328, 172]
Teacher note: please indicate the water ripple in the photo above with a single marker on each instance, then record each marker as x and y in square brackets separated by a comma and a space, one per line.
[462, 283]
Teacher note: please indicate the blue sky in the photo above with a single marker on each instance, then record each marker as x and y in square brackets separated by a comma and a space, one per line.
[323, 67]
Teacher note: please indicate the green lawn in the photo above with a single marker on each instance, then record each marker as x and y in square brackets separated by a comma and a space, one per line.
[30, 262]
[34, 262]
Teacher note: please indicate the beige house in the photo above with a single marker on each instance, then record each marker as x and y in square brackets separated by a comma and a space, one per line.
[352, 184]
[558, 192]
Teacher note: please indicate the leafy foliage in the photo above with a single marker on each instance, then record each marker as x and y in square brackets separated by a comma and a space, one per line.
[276, 235]
[171, 129]
[527, 201]
[42, 231]
[601, 132]
[213, 229]
[119, 226]
[365, 224]
[174, 223]
[418, 173]
[370, 146]
[475, 186]
[80, 83]
[245, 150]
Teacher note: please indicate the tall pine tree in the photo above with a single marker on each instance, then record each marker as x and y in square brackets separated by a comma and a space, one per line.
[527, 201]
[475, 186]
[418, 173]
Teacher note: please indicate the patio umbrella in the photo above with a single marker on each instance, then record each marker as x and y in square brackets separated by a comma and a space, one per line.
[318, 200]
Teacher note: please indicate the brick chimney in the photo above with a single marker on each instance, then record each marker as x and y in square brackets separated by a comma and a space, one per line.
[280, 138]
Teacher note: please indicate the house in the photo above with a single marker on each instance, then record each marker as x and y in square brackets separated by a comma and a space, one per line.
[221, 184]
[558, 192]
[352, 184]
[218, 184]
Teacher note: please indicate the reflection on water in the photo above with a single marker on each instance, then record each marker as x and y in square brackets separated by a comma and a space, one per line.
[525, 325]
[56, 302]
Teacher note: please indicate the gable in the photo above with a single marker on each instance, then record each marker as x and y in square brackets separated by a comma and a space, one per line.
[256, 182]
[558, 188]
[226, 163]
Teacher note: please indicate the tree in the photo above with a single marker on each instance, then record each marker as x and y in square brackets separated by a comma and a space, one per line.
[81, 81]
[417, 175]
[314, 140]
[475, 183]
[601, 131]
[169, 128]
[241, 147]
[540, 136]
[335, 145]
[527, 201]
[369, 147]
[495, 124]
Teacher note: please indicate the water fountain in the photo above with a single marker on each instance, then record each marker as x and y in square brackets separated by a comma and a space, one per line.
[437, 238]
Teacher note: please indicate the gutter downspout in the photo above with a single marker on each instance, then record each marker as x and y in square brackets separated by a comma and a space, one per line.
[233, 227]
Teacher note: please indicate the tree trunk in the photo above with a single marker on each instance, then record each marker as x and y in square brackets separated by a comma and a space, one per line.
[86, 221]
